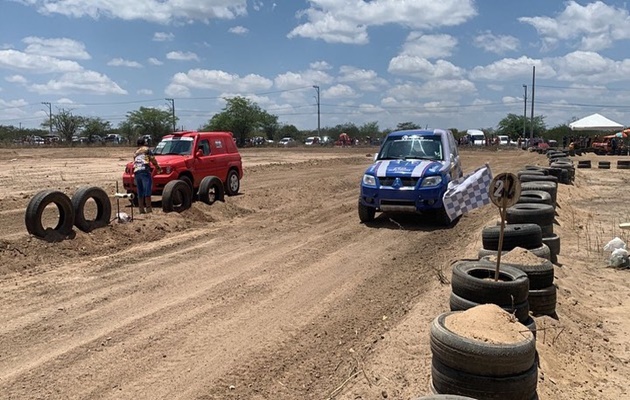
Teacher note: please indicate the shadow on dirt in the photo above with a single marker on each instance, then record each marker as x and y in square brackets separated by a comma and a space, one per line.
[410, 222]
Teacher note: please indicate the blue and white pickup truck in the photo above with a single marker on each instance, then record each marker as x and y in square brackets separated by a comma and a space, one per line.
[410, 173]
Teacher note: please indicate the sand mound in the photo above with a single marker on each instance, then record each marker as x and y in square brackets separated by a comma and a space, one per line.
[487, 323]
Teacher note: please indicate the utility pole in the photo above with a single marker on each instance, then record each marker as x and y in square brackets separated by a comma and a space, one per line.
[318, 123]
[531, 128]
[46, 103]
[173, 111]
[524, 111]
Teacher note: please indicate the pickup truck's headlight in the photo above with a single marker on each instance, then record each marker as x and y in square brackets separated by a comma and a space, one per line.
[168, 169]
[369, 180]
[431, 181]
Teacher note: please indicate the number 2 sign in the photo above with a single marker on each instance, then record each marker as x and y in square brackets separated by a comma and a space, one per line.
[505, 190]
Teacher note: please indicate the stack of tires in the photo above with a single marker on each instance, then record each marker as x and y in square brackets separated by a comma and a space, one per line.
[584, 164]
[526, 235]
[542, 294]
[623, 164]
[603, 165]
[472, 284]
[481, 369]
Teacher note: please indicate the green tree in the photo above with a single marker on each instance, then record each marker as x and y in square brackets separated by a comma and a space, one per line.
[287, 131]
[269, 125]
[66, 124]
[512, 125]
[558, 131]
[151, 121]
[242, 117]
[93, 127]
[127, 131]
[404, 126]
[369, 130]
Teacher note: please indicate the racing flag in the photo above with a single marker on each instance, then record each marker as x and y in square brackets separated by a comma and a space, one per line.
[468, 192]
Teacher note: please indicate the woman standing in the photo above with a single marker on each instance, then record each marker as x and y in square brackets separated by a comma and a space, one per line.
[143, 158]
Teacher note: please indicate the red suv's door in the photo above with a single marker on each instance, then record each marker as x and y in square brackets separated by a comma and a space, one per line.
[218, 150]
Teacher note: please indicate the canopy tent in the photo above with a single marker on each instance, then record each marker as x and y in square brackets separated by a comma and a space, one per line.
[595, 122]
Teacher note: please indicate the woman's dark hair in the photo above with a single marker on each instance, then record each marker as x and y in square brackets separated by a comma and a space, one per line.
[140, 141]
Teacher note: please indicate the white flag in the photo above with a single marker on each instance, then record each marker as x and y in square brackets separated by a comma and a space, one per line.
[468, 192]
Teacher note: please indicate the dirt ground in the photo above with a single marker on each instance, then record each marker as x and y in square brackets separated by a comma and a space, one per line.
[280, 292]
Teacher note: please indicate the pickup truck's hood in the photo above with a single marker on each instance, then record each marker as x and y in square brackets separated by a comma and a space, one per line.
[402, 168]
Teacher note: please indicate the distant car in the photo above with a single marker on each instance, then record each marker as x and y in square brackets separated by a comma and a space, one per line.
[311, 140]
[114, 138]
[410, 174]
[476, 137]
[285, 141]
[504, 140]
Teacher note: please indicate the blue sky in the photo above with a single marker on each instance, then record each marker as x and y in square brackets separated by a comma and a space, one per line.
[449, 63]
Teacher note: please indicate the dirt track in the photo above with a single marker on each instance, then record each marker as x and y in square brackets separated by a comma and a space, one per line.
[279, 293]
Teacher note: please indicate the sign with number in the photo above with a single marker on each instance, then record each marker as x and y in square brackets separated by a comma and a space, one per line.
[505, 190]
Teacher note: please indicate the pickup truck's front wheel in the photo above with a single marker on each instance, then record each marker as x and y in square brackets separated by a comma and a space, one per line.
[366, 214]
[233, 183]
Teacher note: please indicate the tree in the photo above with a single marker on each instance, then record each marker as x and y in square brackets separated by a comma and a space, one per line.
[404, 126]
[269, 125]
[242, 117]
[512, 125]
[151, 121]
[127, 130]
[369, 130]
[288, 131]
[66, 124]
[93, 127]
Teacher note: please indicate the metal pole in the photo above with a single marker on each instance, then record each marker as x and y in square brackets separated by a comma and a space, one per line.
[524, 112]
[318, 114]
[173, 112]
[49, 114]
[531, 128]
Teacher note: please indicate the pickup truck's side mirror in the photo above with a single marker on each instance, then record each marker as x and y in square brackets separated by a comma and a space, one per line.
[375, 156]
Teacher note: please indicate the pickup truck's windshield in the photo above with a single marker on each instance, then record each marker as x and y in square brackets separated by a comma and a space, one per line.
[177, 145]
[417, 147]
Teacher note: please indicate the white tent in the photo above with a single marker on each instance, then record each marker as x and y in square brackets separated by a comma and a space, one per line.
[595, 122]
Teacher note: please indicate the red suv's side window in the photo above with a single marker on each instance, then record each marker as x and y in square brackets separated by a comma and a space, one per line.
[204, 146]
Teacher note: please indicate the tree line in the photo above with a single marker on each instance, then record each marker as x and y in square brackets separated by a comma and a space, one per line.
[245, 119]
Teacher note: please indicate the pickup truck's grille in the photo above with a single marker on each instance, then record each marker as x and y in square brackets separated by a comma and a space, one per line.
[407, 181]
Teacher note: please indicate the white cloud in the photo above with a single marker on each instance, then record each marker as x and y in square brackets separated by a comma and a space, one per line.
[594, 26]
[158, 11]
[181, 83]
[423, 69]
[238, 30]
[163, 37]
[348, 21]
[293, 80]
[17, 60]
[145, 92]
[496, 44]
[66, 101]
[320, 65]
[56, 47]
[119, 62]
[177, 90]
[16, 79]
[495, 87]
[182, 56]
[154, 61]
[586, 66]
[428, 46]
[511, 68]
[364, 79]
[79, 82]
[340, 91]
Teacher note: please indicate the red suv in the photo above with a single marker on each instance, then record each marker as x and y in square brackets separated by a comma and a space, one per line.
[190, 157]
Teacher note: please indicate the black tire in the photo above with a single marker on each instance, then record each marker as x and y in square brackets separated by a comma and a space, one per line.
[470, 281]
[549, 187]
[543, 301]
[530, 213]
[540, 275]
[530, 323]
[541, 178]
[35, 208]
[623, 166]
[603, 166]
[515, 387]
[232, 183]
[477, 357]
[623, 162]
[535, 196]
[530, 172]
[444, 397]
[211, 190]
[366, 214]
[536, 168]
[188, 181]
[528, 236]
[176, 196]
[103, 208]
[519, 310]
[553, 242]
[584, 164]
[542, 252]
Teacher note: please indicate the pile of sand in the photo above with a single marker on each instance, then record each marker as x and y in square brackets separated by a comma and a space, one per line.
[520, 256]
[487, 323]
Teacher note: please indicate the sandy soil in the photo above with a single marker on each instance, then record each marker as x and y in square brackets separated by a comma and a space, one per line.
[280, 292]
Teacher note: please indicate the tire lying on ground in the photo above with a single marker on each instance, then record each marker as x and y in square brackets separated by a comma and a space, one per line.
[540, 273]
[553, 242]
[542, 178]
[103, 208]
[530, 172]
[528, 236]
[542, 252]
[530, 213]
[623, 164]
[176, 196]
[603, 165]
[211, 190]
[549, 187]
[35, 209]
[543, 301]
[444, 397]
[519, 310]
[584, 164]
